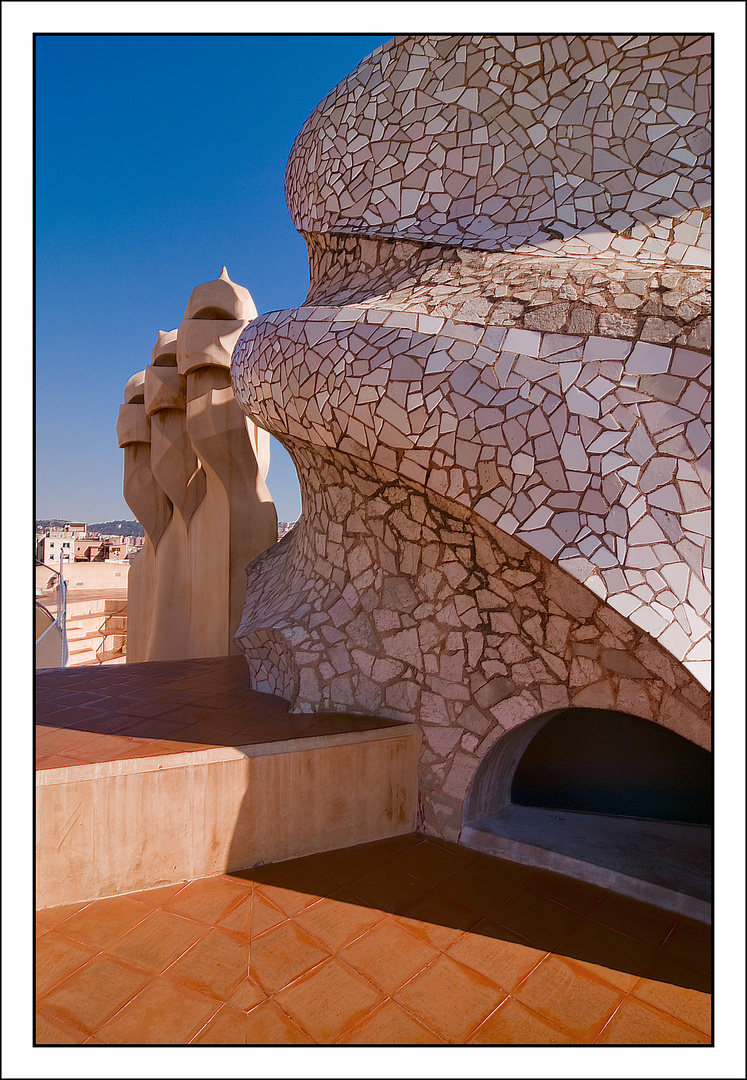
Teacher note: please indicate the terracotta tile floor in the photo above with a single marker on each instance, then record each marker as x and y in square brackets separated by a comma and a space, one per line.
[404, 941]
[86, 715]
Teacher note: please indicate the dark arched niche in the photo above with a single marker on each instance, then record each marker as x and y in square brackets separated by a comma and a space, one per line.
[595, 761]
[604, 796]
[604, 762]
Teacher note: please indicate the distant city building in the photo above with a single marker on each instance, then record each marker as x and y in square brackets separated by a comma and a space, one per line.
[285, 527]
[59, 540]
[102, 548]
[72, 540]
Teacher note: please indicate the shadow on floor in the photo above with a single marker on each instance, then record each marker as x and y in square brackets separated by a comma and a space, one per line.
[435, 887]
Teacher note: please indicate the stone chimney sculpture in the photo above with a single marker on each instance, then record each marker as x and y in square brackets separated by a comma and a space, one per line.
[151, 507]
[195, 472]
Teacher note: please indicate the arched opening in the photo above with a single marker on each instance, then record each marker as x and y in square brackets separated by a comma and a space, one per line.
[598, 761]
[603, 796]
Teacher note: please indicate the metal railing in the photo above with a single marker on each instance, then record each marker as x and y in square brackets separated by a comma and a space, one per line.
[59, 619]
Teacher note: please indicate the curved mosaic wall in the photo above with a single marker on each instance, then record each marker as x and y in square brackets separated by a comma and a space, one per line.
[609, 296]
[389, 600]
[588, 449]
[553, 144]
[496, 395]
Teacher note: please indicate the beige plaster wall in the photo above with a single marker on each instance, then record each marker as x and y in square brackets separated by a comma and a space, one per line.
[95, 575]
[114, 827]
[140, 585]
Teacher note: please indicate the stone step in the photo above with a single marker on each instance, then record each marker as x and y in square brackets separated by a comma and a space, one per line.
[81, 656]
[110, 654]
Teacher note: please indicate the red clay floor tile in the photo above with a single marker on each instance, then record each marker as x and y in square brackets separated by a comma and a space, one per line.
[481, 889]
[269, 1025]
[617, 959]
[690, 942]
[329, 1000]
[51, 1032]
[390, 1025]
[578, 895]
[644, 922]
[438, 919]
[226, 1028]
[388, 955]
[56, 957]
[104, 748]
[154, 898]
[208, 899]
[100, 922]
[497, 953]
[450, 999]
[534, 917]
[389, 888]
[197, 961]
[215, 965]
[343, 866]
[91, 995]
[668, 987]
[338, 919]
[53, 916]
[430, 862]
[264, 915]
[512, 1024]
[247, 994]
[569, 997]
[157, 941]
[54, 740]
[162, 1014]
[636, 1023]
[283, 954]
[294, 890]
[239, 917]
[53, 761]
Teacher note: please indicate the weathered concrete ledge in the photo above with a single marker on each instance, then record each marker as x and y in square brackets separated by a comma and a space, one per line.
[113, 827]
[661, 863]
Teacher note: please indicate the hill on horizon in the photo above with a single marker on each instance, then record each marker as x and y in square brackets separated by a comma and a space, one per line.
[108, 528]
[126, 528]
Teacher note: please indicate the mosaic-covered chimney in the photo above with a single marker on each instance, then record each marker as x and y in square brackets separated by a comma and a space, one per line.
[496, 395]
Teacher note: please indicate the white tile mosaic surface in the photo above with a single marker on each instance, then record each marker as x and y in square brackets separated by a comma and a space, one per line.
[390, 600]
[609, 296]
[496, 395]
[576, 144]
[579, 447]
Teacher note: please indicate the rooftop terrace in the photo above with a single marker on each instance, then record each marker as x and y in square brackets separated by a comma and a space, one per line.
[405, 940]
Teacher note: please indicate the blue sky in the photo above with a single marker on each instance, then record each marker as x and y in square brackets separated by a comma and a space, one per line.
[158, 160]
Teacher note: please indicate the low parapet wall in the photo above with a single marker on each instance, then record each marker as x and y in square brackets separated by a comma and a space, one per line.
[96, 575]
[218, 809]
[84, 575]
